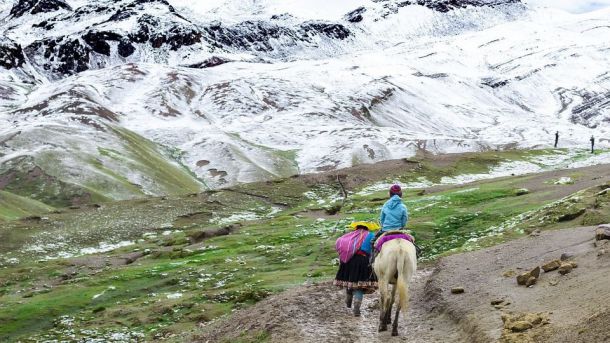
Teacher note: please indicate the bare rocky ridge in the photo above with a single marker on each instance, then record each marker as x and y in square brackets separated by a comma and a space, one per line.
[568, 308]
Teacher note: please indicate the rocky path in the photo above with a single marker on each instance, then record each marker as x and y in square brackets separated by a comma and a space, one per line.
[563, 308]
[316, 313]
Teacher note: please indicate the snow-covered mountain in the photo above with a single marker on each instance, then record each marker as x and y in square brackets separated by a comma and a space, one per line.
[114, 99]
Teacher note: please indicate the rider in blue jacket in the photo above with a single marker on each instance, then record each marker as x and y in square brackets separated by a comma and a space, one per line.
[394, 214]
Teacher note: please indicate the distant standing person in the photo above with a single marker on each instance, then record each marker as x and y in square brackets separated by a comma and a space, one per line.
[556, 138]
[592, 144]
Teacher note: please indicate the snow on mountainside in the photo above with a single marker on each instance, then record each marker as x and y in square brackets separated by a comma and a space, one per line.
[114, 99]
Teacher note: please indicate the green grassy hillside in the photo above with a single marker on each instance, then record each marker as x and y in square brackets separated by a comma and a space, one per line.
[164, 268]
[13, 206]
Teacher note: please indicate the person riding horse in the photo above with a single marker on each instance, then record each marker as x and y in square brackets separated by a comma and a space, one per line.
[394, 215]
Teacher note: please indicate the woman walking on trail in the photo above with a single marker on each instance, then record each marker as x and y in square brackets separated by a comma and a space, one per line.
[355, 273]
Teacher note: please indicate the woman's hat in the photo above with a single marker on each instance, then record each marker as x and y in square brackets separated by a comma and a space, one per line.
[371, 226]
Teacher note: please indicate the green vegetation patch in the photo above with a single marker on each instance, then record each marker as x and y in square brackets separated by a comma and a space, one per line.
[14, 206]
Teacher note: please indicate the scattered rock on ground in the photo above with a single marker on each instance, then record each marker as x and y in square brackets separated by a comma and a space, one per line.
[602, 232]
[497, 301]
[550, 266]
[457, 290]
[517, 326]
[566, 256]
[535, 272]
[531, 281]
[509, 273]
[529, 278]
[520, 326]
[565, 268]
[535, 233]
[522, 191]
[522, 278]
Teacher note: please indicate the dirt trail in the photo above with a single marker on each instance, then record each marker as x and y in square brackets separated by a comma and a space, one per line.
[576, 303]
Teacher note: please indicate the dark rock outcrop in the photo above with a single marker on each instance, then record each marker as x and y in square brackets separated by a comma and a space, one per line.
[38, 6]
[260, 36]
[449, 5]
[65, 55]
[11, 55]
[176, 36]
[443, 6]
[98, 41]
[587, 112]
[209, 63]
[330, 30]
[355, 16]
[125, 48]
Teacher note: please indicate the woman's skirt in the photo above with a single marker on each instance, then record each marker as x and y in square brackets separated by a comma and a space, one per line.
[356, 274]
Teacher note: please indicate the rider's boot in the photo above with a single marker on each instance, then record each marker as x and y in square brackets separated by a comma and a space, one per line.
[372, 259]
[349, 296]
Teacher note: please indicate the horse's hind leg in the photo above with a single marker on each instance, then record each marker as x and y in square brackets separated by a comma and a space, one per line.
[395, 324]
[388, 314]
[383, 326]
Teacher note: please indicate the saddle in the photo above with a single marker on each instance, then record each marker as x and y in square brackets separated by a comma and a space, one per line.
[390, 235]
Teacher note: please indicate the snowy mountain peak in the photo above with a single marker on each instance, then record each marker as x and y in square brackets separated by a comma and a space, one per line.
[116, 99]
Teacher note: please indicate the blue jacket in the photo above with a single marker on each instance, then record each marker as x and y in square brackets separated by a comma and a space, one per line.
[366, 244]
[394, 214]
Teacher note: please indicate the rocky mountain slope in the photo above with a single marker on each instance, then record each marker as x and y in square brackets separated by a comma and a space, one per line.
[119, 99]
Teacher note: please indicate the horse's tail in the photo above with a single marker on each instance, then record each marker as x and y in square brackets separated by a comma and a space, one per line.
[402, 279]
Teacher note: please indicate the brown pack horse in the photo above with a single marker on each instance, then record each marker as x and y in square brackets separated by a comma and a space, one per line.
[395, 264]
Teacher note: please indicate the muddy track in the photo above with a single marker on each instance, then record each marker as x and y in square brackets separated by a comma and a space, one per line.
[573, 302]
[316, 313]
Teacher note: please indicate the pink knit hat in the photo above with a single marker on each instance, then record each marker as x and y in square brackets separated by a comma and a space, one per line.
[396, 190]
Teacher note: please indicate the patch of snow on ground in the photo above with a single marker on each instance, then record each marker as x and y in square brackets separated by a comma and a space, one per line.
[236, 217]
[555, 161]
[105, 247]
[176, 295]
[602, 158]
[420, 182]
[504, 169]
[564, 180]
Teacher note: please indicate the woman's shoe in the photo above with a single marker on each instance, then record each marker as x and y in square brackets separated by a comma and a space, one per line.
[349, 296]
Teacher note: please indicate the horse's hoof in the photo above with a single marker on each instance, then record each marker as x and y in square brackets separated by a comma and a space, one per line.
[394, 333]
[382, 329]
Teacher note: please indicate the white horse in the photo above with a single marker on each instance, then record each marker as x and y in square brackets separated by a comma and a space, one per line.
[395, 264]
